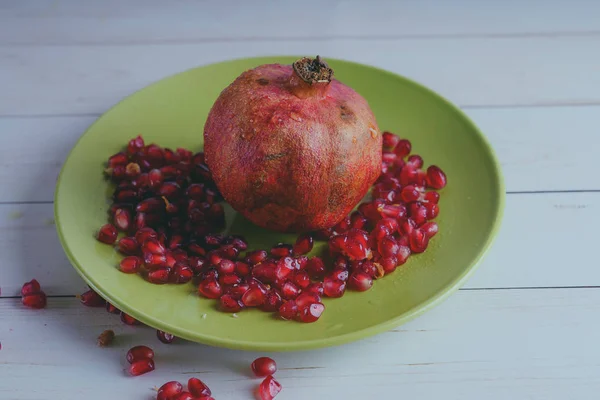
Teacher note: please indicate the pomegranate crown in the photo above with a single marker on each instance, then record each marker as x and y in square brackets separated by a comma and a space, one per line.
[313, 70]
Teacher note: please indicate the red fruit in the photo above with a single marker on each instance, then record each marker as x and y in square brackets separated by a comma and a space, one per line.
[117, 159]
[198, 388]
[164, 337]
[311, 313]
[402, 148]
[155, 178]
[393, 211]
[112, 309]
[340, 274]
[388, 247]
[154, 261]
[107, 234]
[254, 297]
[285, 266]
[226, 266]
[135, 145]
[357, 220]
[415, 161]
[402, 255]
[122, 219]
[181, 273]
[131, 264]
[236, 290]
[432, 210]
[210, 288]
[273, 125]
[315, 288]
[128, 245]
[360, 282]
[432, 197]
[242, 269]
[304, 244]
[430, 229]
[289, 291]
[288, 310]
[389, 141]
[144, 234]
[31, 287]
[141, 366]
[436, 179]
[265, 272]
[159, 276]
[34, 300]
[257, 256]
[153, 204]
[272, 302]
[407, 226]
[92, 299]
[418, 241]
[139, 353]
[409, 194]
[153, 246]
[263, 366]
[281, 250]
[230, 304]
[269, 388]
[306, 299]
[333, 287]
[169, 390]
[418, 213]
[128, 319]
[301, 279]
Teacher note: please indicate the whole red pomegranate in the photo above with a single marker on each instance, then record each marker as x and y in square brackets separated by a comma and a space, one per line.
[290, 148]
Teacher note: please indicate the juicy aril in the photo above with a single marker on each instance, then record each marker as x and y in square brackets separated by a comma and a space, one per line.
[290, 148]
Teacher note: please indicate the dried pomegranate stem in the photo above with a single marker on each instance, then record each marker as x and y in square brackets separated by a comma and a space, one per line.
[311, 77]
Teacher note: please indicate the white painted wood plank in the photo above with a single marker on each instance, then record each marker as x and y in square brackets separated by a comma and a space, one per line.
[84, 22]
[52, 80]
[534, 344]
[540, 149]
[546, 240]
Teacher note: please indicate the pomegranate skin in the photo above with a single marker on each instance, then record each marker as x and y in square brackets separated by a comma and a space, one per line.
[291, 154]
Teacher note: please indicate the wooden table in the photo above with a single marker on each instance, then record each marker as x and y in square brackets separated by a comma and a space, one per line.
[528, 73]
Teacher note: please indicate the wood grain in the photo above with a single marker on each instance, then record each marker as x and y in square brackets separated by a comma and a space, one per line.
[497, 345]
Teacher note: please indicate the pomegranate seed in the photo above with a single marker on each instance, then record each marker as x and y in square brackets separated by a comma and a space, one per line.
[285, 266]
[388, 247]
[198, 388]
[409, 194]
[34, 300]
[415, 161]
[183, 396]
[393, 211]
[144, 234]
[371, 269]
[408, 175]
[418, 241]
[356, 250]
[430, 229]
[169, 172]
[31, 287]
[357, 220]
[155, 178]
[128, 245]
[169, 390]
[265, 272]
[257, 256]
[304, 244]
[436, 179]
[407, 226]
[107, 234]
[154, 261]
[230, 304]
[165, 337]
[139, 353]
[92, 299]
[132, 170]
[333, 287]
[210, 289]
[126, 196]
[432, 197]
[311, 313]
[402, 255]
[169, 189]
[281, 250]
[239, 243]
[288, 310]
[112, 309]
[229, 251]
[135, 145]
[316, 288]
[153, 246]
[306, 299]
[269, 388]
[226, 266]
[301, 279]
[263, 366]
[181, 273]
[229, 279]
[117, 159]
[131, 264]
[432, 210]
[254, 297]
[141, 366]
[289, 291]
[340, 274]
[196, 249]
[390, 141]
[159, 276]
[140, 220]
[128, 319]
[272, 302]
[122, 219]
[315, 267]
[153, 204]
[403, 148]
[418, 213]
[360, 282]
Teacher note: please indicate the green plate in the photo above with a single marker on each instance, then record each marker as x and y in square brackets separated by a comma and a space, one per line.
[172, 112]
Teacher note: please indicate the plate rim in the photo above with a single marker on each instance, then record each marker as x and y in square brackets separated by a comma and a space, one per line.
[431, 302]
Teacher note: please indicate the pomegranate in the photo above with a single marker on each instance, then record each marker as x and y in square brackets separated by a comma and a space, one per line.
[291, 148]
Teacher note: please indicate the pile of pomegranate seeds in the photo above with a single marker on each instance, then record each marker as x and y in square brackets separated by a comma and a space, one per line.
[32, 295]
[141, 359]
[169, 212]
[173, 390]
